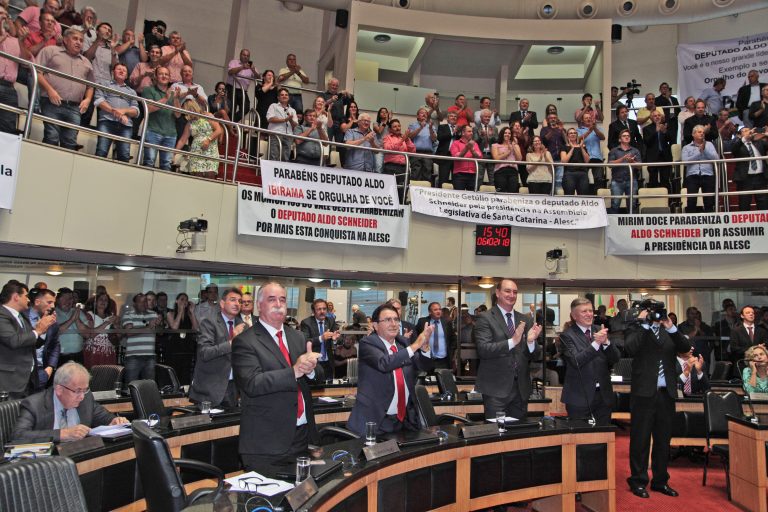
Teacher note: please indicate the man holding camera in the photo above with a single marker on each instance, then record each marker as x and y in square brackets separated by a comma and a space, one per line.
[241, 72]
[654, 342]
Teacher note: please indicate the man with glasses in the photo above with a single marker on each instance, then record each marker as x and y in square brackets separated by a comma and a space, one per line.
[364, 137]
[65, 412]
[387, 367]
[18, 340]
[213, 379]
[246, 310]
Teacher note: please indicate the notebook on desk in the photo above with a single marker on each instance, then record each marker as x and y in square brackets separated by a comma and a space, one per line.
[407, 438]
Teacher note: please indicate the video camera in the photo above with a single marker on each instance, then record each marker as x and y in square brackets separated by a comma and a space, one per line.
[656, 311]
[634, 87]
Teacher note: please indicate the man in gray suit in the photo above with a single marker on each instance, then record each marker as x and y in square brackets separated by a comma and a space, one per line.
[213, 380]
[18, 340]
[506, 343]
[65, 412]
[273, 366]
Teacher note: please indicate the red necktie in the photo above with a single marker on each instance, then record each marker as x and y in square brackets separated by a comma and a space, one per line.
[687, 386]
[284, 350]
[231, 329]
[588, 334]
[751, 333]
[400, 389]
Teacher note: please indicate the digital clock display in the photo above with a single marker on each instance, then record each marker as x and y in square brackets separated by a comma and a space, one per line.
[492, 240]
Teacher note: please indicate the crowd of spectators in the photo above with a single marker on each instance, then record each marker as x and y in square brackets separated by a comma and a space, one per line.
[77, 42]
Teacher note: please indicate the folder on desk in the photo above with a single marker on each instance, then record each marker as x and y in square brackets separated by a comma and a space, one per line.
[407, 438]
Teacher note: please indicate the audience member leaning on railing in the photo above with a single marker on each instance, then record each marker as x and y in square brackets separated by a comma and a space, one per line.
[116, 114]
[204, 132]
[9, 71]
[161, 122]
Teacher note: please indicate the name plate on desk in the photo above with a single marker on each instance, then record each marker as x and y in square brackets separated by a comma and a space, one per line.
[85, 444]
[755, 396]
[381, 449]
[470, 431]
[190, 421]
[474, 395]
[299, 495]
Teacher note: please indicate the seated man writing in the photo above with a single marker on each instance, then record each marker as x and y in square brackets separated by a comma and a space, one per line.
[64, 412]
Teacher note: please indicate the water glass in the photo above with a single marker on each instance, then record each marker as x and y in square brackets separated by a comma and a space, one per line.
[118, 388]
[501, 421]
[302, 469]
[370, 433]
[205, 407]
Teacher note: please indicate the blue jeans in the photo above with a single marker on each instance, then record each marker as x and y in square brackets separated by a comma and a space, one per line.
[622, 187]
[166, 157]
[58, 135]
[122, 149]
[139, 367]
[8, 120]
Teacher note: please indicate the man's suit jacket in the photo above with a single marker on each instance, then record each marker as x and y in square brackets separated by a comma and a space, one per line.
[450, 334]
[311, 333]
[375, 384]
[592, 367]
[651, 141]
[214, 360]
[479, 136]
[698, 385]
[268, 390]
[496, 366]
[36, 418]
[530, 125]
[646, 351]
[444, 139]
[17, 353]
[51, 351]
[740, 341]
[740, 150]
[742, 97]
[636, 139]
[405, 326]
[693, 121]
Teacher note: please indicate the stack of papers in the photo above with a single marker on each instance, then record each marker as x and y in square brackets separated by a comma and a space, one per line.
[256, 483]
[28, 450]
[111, 431]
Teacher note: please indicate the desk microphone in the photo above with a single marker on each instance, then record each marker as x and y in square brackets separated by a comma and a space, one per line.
[591, 420]
[753, 417]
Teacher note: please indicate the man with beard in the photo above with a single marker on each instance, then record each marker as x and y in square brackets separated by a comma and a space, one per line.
[273, 367]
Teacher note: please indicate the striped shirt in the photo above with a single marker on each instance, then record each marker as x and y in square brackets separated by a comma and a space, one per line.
[139, 344]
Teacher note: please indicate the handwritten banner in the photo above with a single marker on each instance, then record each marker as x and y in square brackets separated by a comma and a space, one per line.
[258, 215]
[695, 233]
[10, 148]
[558, 212]
[311, 184]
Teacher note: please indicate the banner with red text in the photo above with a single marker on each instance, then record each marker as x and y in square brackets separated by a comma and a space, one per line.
[695, 234]
[376, 227]
[700, 64]
[10, 148]
[539, 211]
[312, 184]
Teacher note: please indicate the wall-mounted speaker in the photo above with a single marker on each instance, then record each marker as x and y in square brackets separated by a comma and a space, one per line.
[615, 33]
[309, 294]
[342, 18]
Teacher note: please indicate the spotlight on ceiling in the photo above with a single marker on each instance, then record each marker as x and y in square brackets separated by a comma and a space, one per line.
[315, 280]
[586, 10]
[382, 38]
[626, 7]
[403, 4]
[555, 50]
[722, 3]
[293, 6]
[668, 7]
[547, 10]
[124, 268]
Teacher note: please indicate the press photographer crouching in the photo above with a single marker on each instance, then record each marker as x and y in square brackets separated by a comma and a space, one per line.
[653, 341]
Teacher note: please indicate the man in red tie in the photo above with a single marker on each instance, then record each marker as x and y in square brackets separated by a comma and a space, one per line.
[386, 367]
[273, 366]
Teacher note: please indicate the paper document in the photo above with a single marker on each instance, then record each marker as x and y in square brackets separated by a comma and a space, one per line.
[328, 399]
[507, 419]
[617, 378]
[254, 482]
[216, 411]
[111, 430]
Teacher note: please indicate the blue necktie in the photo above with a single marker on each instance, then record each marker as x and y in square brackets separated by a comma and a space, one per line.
[321, 328]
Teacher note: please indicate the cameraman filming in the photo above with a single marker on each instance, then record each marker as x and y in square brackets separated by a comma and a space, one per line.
[653, 341]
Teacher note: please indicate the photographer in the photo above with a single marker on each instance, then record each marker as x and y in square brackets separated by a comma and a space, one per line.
[653, 393]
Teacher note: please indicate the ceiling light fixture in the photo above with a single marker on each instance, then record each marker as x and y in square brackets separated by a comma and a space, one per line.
[124, 268]
[365, 288]
[486, 282]
[54, 272]
[315, 280]
[547, 11]
[382, 38]
[555, 50]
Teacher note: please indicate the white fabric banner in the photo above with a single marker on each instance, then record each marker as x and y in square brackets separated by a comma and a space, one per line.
[257, 215]
[10, 148]
[699, 65]
[311, 184]
[558, 212]
[694, 233]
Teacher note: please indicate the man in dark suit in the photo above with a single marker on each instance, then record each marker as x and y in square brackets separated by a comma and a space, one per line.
[47, 356]
[442, 342]
[588, 356]
[622, 123]
[65, 412]
[750, 175]
[273, 366]
[700, 117]
[658, 148]
[653, 347]
[213, 380]
[748, 93]
[322, 333]
[745, 335]
[691, 374]
[506, 343]
[526, 117]
[406, 327]
[446, 134]
[386, 369]
[18, 340]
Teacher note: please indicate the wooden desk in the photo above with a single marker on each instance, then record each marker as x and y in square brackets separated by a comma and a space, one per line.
[748, 467]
